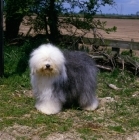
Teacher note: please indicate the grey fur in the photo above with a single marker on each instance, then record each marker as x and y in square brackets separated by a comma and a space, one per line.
[80, 85]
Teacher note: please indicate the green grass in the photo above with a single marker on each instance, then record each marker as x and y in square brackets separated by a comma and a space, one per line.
[17, 108]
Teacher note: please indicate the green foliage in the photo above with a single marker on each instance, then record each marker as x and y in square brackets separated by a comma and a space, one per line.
[17, 8]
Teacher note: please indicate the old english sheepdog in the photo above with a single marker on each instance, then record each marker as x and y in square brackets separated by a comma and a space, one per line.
[60, 77]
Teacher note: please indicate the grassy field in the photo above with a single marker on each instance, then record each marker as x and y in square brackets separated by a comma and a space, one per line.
[116, 117]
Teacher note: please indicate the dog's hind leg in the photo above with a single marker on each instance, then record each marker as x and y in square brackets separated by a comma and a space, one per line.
[92, 106]
[89, 102]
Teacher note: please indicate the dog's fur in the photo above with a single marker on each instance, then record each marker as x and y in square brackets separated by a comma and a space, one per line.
[64, 77]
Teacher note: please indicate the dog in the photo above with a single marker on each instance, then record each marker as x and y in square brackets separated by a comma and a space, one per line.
[60, 77]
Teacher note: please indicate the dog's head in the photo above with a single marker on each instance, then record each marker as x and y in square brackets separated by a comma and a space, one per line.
[46, 60]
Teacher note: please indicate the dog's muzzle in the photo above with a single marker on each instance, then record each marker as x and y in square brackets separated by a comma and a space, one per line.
[47, 66]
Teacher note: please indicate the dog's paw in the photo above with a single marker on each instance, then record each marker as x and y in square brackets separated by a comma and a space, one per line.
[93, 106]
[49, 108]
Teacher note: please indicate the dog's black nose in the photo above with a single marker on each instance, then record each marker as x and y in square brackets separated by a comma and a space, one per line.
[47, 65]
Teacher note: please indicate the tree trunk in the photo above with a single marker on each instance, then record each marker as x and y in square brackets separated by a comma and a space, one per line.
[12, 26]
[53, 22]
[1, 41]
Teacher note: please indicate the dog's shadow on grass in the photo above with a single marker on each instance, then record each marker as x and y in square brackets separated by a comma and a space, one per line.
[74, 106]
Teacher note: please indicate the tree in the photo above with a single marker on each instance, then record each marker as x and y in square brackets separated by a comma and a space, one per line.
[1, 40]
[47, 18]
[48, 13]
[15, 10]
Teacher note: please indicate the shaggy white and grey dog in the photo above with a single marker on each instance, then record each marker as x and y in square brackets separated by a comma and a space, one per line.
[60, 77]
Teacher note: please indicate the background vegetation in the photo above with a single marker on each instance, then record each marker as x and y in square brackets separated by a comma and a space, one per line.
[47, 15]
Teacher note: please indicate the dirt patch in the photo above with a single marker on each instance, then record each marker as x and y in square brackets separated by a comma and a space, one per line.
[65, 136]
[28, 133]
[18, 131]
[6, 136]
[127, 29]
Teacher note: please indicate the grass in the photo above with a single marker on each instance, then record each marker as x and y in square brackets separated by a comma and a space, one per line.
[118, 118]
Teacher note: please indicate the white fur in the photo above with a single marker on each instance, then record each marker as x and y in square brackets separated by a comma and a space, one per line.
[47, 54]
[42, 80]
[45, 102]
